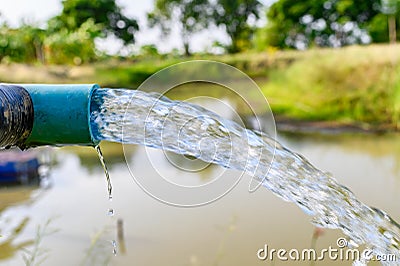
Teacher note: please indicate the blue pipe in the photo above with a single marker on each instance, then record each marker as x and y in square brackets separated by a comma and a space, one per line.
[61, 115]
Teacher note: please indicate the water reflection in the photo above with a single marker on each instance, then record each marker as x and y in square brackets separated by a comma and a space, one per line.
[98, 252]
[191, 165]
[21, 174]
[8, 247]
[228, 232]
[121, 236]
[113, 155]
[12, 227]
[18, 167]
[227, 103]
[382, 147]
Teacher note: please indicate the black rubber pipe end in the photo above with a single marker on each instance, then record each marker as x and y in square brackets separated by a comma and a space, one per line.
[16, 116]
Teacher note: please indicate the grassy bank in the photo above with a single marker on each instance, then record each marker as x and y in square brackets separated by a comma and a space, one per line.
[353, 85]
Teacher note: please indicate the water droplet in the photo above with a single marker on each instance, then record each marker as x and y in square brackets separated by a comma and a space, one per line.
[110, 212]
[114, 245]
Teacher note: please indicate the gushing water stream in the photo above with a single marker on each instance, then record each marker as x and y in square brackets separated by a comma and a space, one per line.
[136, 117]
[110, 211]
[103, 164]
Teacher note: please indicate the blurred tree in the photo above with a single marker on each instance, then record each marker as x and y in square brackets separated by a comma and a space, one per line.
[149, 50]
[334, 23]
[190, 15]
[390, 8]
[260, 40]
[72, 46]
[106, 14]
[24, 44]
[234, 15]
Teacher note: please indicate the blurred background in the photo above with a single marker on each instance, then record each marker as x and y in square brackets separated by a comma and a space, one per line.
[329, 69]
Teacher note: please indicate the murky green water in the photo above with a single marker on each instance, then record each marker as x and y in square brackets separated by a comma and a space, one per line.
[227, 232]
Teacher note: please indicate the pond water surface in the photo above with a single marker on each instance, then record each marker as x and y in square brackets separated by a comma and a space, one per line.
[229, 231]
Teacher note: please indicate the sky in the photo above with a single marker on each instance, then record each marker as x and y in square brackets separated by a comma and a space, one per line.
[16, 11]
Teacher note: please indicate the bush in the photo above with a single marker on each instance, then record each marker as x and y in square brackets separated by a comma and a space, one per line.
[72, 47]
[353, 84]
[24, 44]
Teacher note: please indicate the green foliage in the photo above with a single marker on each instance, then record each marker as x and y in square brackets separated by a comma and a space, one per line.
[70, 36]
[106, 14]
[21, 45]
[390, 7]
[331, 85]
[378, 28]
[260, 39]
[234, 16]
[72, 33]
[196, 15]
[301, 24]
[131, 75]
[72, 47]
[354, 85]
[149, 50]
[192, 16]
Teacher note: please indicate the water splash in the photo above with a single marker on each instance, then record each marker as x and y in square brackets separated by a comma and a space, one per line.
[103, 164]
[110, 212]
[154, 121]
[114, 245]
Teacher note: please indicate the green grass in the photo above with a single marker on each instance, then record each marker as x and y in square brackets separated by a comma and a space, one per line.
[349, 85]
[129, 74]
[352, 85]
